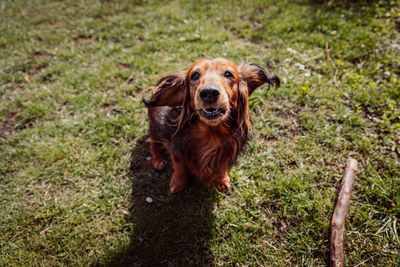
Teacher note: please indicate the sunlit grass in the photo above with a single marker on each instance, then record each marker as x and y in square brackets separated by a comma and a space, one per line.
[73, 131]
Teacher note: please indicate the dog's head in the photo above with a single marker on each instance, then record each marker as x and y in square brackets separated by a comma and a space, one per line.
[212, 88]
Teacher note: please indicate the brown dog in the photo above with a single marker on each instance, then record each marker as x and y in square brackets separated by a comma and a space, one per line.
[200, 116]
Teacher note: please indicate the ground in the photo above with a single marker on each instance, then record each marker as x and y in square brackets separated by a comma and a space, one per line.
[75, 188]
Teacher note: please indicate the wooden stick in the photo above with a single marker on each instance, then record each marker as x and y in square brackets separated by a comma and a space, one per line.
[339, 215]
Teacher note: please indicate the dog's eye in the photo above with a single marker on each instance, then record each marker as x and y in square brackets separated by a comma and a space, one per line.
[195, 76]
[228, 74]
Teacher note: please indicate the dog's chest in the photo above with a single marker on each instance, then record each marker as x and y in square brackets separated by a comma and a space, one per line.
[209, 153]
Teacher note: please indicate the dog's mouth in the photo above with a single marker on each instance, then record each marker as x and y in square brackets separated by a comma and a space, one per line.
[212, 113]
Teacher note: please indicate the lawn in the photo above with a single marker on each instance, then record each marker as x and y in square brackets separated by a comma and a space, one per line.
[75, 189]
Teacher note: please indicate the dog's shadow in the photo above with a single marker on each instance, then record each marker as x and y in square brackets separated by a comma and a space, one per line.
[171, 230]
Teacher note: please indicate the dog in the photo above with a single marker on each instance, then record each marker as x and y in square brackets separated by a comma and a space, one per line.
[200, 117]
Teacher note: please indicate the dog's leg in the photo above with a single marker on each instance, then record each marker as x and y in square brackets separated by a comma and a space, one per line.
[156, 149]
[223, 183]
[179, 177]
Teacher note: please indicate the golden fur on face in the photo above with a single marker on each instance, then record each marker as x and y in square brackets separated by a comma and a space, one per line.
[220, 74]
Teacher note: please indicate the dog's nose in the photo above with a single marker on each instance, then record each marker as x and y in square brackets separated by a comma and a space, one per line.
[209, 94]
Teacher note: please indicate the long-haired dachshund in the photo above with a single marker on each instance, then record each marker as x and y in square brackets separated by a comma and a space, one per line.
[200, 116]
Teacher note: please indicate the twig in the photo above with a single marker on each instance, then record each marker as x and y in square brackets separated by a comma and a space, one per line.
[340, 212]
[333, 64]
[130, 79]
[335, 79]
[270, 245]
[314, 58]
[361, 263]
[329, 56]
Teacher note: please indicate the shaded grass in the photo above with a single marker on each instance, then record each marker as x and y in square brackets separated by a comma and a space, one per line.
[165, 229]
[73, 179]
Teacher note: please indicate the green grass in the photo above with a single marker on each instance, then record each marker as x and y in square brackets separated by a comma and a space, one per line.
[73, 133]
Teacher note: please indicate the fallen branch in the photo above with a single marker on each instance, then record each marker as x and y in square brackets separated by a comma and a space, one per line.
[340, 212]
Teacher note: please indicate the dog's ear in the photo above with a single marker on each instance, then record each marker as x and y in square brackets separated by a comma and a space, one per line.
[169, 91]
[251, 77]
[243, 113]
[254, 76]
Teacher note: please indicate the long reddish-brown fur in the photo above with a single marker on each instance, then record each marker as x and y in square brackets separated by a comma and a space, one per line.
[200, 116]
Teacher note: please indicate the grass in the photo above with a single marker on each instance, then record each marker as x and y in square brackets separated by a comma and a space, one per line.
[73, 132]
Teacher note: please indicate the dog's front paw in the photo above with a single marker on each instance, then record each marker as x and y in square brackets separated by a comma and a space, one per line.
[177, 183]
[223, 184]
[157, 163]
